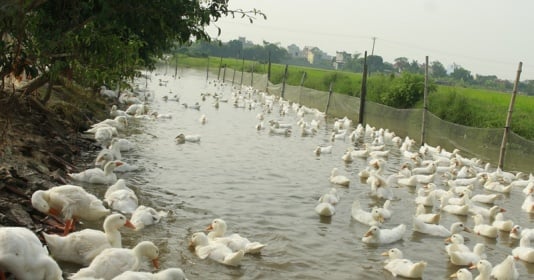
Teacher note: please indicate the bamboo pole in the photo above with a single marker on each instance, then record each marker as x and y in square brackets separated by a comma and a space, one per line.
[509, 117]
[284, 82]
[425, 103]
[242, 69]
[268, 73]
[329, 97]
[208, 68]
[224, 73]
[176, 68]
[252, 75]
[220, 66]
[302, 79]
[364, 90]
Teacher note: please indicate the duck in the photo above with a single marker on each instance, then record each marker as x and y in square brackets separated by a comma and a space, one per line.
[424, 199]
[280, 131]
[375, 235]
[182, 138]
[500, 223]
[71, 201]
[506, 269]
[331, 197]
[486, 198]
[216, 251]
[217, 232]
[337, 179]
[121, 198]
[22, 254]
[166, 274]
[456, 244]
[373, 218]
[113, 261]
[119, 122]
[97, 175]
[398, 265]
[483, 229]
[325, 209]
[518, 231]
[428, 218]
[81, 247]
[468, 258]
[385, 210]
[319, 150]
[524, 251]
[462, 274]
[438, 230]
[144, 216]
[484, 268]
[203, 119]
[496, 186]
[528, 203]
[461, 210]
[407, 181]
[486, 213]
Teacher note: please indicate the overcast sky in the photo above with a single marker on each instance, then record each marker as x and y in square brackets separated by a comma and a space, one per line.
[487, 37]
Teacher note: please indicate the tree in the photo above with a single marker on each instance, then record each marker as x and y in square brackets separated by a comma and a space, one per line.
[437, 69]
[406, 91]
[94, 41]
[400, 64]
[461, 74]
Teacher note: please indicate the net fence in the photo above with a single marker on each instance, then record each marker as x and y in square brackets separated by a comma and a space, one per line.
[482, 143]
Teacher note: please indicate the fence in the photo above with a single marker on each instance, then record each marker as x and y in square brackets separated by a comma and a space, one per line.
[482, 143]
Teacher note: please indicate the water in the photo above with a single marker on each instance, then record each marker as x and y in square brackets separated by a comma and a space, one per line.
[266, 187]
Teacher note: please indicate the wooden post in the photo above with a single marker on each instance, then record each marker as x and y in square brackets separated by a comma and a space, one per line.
[425, 103]
[268, 73]
[364, 90]
[224, 72]
[208, 68]
[302, 79]
[220, 66]
[329, 97]
[233, 77]
[284, 82]
[242, 69]
[252, 75]
[176, 68]
[509, 117]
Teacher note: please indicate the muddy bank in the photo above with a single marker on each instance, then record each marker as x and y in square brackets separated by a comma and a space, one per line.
[39, 145]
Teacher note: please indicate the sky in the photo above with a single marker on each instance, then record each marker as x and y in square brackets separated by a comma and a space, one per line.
[486, 37]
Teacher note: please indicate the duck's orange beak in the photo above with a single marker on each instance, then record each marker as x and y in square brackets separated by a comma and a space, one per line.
[129, 224]
[155, 262]
[54, 211]
[209, 228]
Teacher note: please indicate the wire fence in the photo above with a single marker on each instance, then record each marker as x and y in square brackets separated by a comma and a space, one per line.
[482, 143]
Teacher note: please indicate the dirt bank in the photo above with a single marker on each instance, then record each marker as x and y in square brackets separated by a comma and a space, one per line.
[39, 145]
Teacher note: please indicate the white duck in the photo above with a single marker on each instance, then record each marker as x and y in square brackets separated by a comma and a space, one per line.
[81, 247]
[72, 202]
[528, 203]
[487, 198]
[375, 235]
[336, 178]
[386, 209]
[461, 210]
[518, 232]
[456, 244]
[97, 175]
[319, 150]
[462, 274]
[397, 265]
[121, 198]
[182, 138]
[468, 258]
[216, 251]
[234, 241]
[373, 218]
[113, 261]
[506, 269]
[22, 254]
[483, 229]
[144, 216]
[502, 224]
[325, 209]
[524, 251]
[484, 268]
[331, 197]
[166, 274]
[429, 218]
[438, 230]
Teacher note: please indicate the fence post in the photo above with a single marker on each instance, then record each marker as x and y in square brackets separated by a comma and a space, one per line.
[425, 103]
[364, 90]
[252, 75]
[220, 66]
[176, 68]
[224, 73]
[302, 79]
[242, 69]
[284, 83]
[329, 97]
[268, 73]
[208, 68]
[509, 117]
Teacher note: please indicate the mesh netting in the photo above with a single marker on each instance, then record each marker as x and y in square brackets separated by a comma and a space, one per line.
[483, 143]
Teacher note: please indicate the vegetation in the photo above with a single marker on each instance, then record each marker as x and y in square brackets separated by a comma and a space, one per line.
[466, 106]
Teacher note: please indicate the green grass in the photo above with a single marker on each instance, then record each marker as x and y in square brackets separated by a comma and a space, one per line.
[465, 106]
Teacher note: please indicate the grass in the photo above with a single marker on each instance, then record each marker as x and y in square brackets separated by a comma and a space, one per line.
[466, 106]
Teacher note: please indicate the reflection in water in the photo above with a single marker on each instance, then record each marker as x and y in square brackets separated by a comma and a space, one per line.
[266, 186]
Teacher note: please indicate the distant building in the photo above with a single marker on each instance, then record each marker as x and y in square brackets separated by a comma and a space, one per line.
[308, 53]
[339, 60]
[293, 50]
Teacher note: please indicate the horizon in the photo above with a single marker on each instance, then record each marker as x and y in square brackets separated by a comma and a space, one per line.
[476, 35]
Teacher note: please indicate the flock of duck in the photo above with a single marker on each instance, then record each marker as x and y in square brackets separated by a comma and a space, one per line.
[446, 183]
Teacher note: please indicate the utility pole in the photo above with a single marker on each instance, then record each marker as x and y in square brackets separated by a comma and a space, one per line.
[373, 49]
